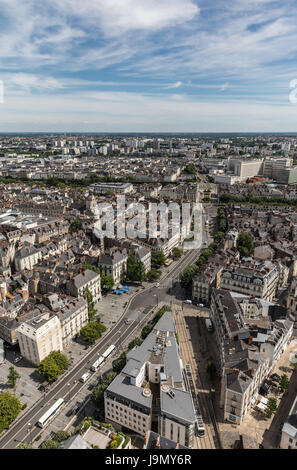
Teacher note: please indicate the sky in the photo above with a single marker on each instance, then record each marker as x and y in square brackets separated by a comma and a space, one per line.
[148, 66]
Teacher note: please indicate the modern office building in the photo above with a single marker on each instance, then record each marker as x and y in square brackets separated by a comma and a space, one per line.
[149, 392]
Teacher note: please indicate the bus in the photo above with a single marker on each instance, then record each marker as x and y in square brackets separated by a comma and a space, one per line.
[97, 364]
[108, 351]
[85, 377]
[200, 425]
[51, 413]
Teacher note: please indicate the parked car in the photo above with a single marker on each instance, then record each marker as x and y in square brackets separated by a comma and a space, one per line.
[188, 301]
[200, 305]
[18, 359]
[275, 377]
[127, 322]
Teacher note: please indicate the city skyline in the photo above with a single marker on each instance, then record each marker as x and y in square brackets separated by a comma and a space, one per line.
[167, 66]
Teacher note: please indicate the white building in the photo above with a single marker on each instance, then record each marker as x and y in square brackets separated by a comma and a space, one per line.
[39, 337]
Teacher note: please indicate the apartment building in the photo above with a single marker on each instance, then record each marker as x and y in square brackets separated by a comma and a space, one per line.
[250, 277]
[72, 313]
[113, 264]
[87, 279]
[150, 390]
[204, 281]
[117, 188]
[26, 257]
[289, 431]
[39, 337]
[248, 346]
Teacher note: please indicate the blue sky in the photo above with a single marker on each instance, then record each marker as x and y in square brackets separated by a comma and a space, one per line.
[148, 65]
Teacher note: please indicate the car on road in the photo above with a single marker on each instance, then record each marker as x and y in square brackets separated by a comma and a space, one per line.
[158, 284]
[70, 413]
[127, 322]
[200, 305]
[188, 301]
[18, 359]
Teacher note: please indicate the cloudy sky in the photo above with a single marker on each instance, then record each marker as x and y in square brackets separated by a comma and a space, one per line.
[148, 65]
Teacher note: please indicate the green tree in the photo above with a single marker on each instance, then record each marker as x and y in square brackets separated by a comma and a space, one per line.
[245, 244]
[271, 407]
[60, 359]
[75, 226]
[284, 382]
[146, 330]
[92, 331]
[120, 363]
[10, 407]
[49, 369]
[159, 258]
[211, 369]
[50, 445]
[98, 392]
[177, 252]
[91, 306]
[135, 269]
[187, 276]
[61, 436]
[53, 365]
[153, 274]
[107, 282]
[12, 377]
[24, 445]
[135, 342]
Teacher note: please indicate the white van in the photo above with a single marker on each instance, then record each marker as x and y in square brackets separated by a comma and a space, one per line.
[85, 377]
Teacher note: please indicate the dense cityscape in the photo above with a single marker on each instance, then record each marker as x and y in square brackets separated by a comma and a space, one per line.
[138, 342]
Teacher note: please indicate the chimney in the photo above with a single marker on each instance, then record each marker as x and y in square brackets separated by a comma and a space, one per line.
[250, 340]
[177, 446]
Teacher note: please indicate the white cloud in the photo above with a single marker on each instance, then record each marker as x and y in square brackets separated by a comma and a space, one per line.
[116, 17]
[174, 85]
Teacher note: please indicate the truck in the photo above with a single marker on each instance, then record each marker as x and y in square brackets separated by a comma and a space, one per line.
[208, 324]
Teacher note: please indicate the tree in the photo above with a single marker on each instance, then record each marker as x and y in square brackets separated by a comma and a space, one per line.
[135, 342]
[284, 382]
[91, 306]
[92, 331]
[271, 407]
[211, 369]
[53, 365]
[120, 363]
[146, 330]
[135, 269]
[107, 282]
[245, 244]
[177, 252]
[10, 407]
[153, 274]
[60, 359]
[50, 445]
[187, 276]
[98, 392]
[75, 226]
[24, 445]
[61, 436]
[12, 377]
[159, 258]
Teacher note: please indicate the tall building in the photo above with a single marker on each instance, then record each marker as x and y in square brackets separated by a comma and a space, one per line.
[39, 337]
